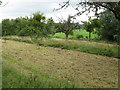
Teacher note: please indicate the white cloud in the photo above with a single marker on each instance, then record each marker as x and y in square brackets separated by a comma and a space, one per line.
[16, 8]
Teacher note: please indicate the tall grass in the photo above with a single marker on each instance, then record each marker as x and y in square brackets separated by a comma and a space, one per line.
[13, 77]
[87, 48]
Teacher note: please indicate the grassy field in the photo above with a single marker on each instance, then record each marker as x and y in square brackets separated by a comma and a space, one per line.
[30, 66]
[76, 33]
[98, 48]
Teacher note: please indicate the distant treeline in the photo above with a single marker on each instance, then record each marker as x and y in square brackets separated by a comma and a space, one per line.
[37, 26]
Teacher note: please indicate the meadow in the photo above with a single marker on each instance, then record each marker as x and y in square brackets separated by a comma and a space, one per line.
[73, 63]
[39, 51]
[92, 47]
[29, 65]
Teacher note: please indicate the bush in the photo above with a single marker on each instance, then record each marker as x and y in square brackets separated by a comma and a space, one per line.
[79, 36]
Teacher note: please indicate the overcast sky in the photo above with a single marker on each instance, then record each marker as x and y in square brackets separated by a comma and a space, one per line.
[17, 8]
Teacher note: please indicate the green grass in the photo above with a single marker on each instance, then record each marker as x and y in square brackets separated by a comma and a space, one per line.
[13, 77]
[32, 66]
[92, 49]
[59, 35]
[76, 33]
[87, 48]
[84, 33]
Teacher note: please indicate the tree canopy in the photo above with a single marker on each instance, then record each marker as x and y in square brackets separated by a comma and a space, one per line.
[110, 27]
[91, 25]
[0, 2]
[36, 26]
[91, 5]
[66, 26]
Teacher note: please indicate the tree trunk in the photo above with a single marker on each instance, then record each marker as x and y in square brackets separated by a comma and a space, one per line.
[89, 35]
[66, 36]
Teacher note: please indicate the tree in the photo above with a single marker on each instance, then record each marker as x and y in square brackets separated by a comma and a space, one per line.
[110, 29]
[6, 25]
[0, 2]
[50, 26]
[43, 27]
[88, 26]
[38, 22]
[36, 26]
[91, 25]
[91, 5]
[66, 26]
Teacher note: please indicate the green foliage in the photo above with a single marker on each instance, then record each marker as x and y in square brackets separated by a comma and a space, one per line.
[79, 36]
[37, 26]
[110, 29]
[66, 26]
[8, 27]
[59, 35]
[80, 32]
[91, 25]
[76, 33]
[38, 21]
[50, 27]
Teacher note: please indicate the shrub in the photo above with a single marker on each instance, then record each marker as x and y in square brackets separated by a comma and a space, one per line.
[79, 36]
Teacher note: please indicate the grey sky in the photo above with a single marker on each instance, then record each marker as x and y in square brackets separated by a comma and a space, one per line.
[16, 8]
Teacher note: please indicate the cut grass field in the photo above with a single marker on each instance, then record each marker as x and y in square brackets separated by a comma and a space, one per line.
[31, 66]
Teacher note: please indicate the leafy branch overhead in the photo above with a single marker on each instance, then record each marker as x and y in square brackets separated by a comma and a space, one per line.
[0, 2]
[88, 6]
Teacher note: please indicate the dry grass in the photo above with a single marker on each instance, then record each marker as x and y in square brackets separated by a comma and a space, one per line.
[89, 42]
[82, 69]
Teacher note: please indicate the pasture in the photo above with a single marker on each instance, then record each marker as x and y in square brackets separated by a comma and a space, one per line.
[62, 45]
[32, 66]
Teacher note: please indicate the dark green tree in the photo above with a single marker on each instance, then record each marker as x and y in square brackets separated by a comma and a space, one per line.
[91, 25]
[38, 22]
[36, 26]
[110, 29]
[50, 26]
[6, 27]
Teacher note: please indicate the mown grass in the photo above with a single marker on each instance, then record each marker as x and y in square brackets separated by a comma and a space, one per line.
[87, 48]
[13, 77]
[36, 67]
